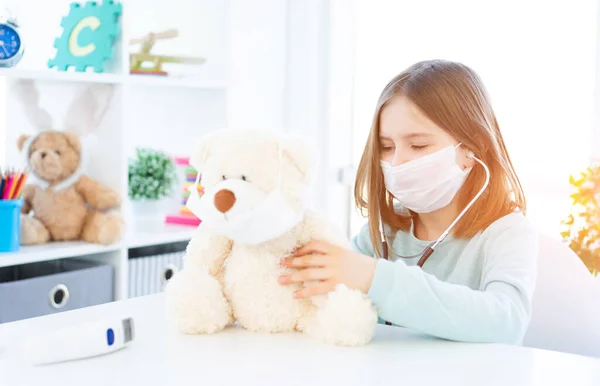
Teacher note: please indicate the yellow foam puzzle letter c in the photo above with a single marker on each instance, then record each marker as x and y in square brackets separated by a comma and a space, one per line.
[76, 50]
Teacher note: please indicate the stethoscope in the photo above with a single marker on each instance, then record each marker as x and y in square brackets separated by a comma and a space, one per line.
[428, 251]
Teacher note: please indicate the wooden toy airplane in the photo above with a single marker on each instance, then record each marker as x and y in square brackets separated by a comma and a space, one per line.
[137, 59]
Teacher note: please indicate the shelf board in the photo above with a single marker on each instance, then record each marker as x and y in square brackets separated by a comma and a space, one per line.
[142, 236]
[109, 78]
[154, 234]
[62, 76]
[53, 251]
[174, 81]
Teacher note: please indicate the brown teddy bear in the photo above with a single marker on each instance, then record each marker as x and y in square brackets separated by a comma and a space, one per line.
[63, 203]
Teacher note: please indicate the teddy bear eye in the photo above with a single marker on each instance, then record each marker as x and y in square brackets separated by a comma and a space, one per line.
[57, 152]
[244, 177]
[224, 178]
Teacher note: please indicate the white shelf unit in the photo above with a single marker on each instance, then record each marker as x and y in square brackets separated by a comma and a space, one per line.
[166, 113]
[262, 70]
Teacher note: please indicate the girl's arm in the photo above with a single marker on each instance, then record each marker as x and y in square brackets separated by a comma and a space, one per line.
[498, 311]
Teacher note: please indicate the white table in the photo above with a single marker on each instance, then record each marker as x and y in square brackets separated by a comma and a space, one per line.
[162, 356]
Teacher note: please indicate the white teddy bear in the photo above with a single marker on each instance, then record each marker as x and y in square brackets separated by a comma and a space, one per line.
[254, 212]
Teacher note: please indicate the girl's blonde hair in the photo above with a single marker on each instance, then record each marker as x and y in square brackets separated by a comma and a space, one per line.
[452, 96]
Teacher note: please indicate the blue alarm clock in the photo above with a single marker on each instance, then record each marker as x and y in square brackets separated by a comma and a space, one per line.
[11, 44]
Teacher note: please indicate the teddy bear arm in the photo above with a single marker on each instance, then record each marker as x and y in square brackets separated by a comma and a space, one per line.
[207, 250]
[195, 295]
[330, 323]
[97, 195]
[28, 195]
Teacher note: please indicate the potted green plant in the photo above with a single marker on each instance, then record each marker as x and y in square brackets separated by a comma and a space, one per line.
[152, 177]
[582, 226]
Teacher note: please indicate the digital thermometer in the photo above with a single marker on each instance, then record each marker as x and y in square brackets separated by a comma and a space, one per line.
[79, 341]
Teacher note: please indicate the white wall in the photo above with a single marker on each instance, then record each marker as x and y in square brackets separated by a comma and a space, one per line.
[319, 91]
[258, 39]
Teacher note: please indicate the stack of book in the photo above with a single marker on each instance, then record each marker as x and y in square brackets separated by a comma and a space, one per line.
[185, 217]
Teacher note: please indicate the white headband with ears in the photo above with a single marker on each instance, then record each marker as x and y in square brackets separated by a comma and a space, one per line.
[27, 94]
[84, 114]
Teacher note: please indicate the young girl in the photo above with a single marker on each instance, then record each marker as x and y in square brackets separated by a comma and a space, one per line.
[435, 167]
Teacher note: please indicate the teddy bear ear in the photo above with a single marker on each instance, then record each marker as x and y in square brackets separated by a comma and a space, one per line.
[200, 155]
[73, 140]
[300, 153]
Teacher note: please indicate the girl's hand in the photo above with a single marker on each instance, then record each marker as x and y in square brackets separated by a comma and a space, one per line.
[329, 265]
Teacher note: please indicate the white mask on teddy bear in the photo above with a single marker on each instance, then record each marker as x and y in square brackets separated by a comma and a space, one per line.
[270, 219]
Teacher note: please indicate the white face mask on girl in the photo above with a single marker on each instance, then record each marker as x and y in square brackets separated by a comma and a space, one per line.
[428, 183]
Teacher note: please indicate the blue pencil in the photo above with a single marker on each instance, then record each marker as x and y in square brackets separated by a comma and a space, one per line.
[2, 183]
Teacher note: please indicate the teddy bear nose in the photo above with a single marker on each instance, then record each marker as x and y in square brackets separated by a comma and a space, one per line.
[224, 200]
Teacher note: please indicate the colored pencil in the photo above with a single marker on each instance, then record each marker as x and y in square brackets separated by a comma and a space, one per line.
[2, 183]
[9, 186]
[6, 183]
[16, 177]
[11, 183]
[20, 184]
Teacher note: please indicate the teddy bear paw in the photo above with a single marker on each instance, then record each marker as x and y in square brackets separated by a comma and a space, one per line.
[103, 228]
[112, 230]
[346, 317]
[195, 301]
[33, 231]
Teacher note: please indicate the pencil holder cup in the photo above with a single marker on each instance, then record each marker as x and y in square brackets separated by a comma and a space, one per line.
[10, 225]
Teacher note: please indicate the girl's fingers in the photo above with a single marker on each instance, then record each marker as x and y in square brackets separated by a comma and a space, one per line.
[312, 260]
[309, 274]
[285, 279]
[313, 247]
[314, 290]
